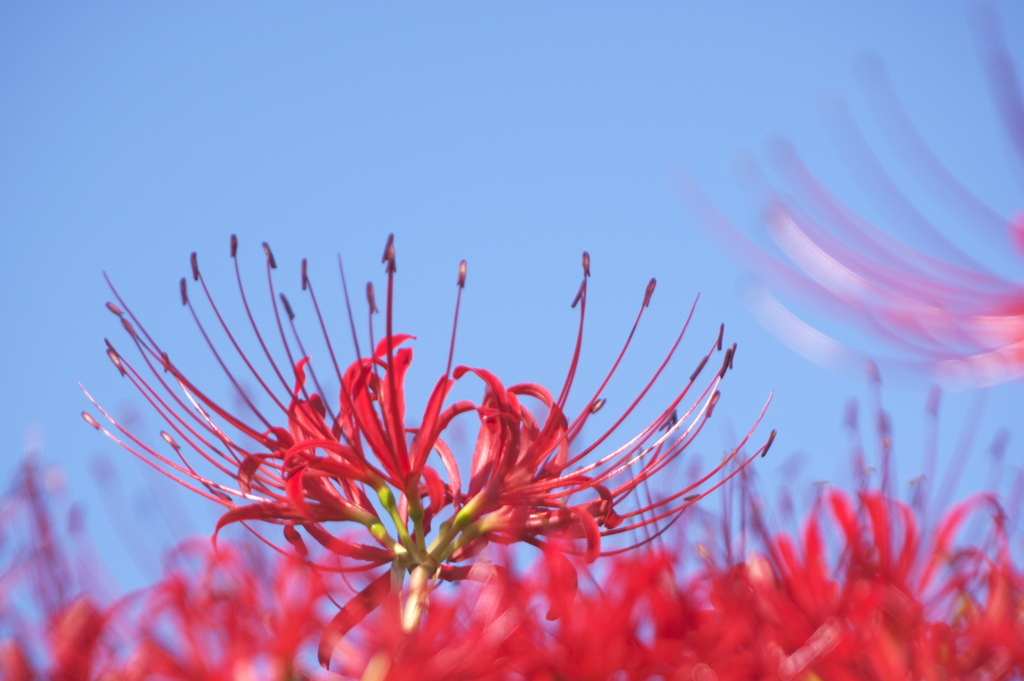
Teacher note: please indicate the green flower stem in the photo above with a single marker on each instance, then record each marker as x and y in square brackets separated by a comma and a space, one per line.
[387, 500]
[450, 530]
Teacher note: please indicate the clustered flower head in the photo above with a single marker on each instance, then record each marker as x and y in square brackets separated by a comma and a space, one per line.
[328, 466]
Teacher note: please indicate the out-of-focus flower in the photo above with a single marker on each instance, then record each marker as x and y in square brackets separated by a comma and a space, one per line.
[234, 614]
[358, 462]
[873, 601]
[226, 614]
[939, 309]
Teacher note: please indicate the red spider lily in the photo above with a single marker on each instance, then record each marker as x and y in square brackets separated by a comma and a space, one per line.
[942, 310]
[42, 604]
[358, 462]
[230, 614]
[226, 614]
[877, 603]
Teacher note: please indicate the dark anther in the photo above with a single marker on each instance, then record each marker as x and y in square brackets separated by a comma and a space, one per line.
[115, 309]
[389, 255]
[462, 274]
[767, 445]
[672, 420]
[234, 245]
[579, 294]
[305, 280]
[287, 307]
[727, 361]
[116, 359]
[700, 368]
[129, 328]
[270, 256]
[586, 264]
[169, 440]
[165, 361]
[650, 291]
[596, 406]
[90, 420]
[370, 297]
[110, 345]
[184, 292]
[195, 267]
[732, 354]
[692, 497]
[721, 332]
[712, 402]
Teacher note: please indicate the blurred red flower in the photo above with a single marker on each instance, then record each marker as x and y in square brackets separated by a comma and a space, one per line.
[940, 309]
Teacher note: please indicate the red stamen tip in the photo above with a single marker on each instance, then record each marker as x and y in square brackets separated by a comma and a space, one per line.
[195, 266]
[234, 245]
[712, 402]
[700, 368]
[370, 298]
[184, 292]
[389, 255]
[650, 291]
[727, 360]
[129, 328]
[116, 359]
[768, 445]
[90, 420]
[115, 309]
[169, 440]
[462, 274]
[270, 256]
[305, 279]
[586, 264]
[287, 307]
[596, 406]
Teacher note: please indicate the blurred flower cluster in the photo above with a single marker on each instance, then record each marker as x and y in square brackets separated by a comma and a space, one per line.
[860, 592]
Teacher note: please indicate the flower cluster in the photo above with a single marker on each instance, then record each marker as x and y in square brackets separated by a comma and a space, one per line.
[860, 593]
[326, 466]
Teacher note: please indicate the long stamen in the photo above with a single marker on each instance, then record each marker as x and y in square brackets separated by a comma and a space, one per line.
[309, 367]
[248, 311]
[231, 337]
[308, 285]
[455, 324]
[392, 415]
[348, 308]
[271, 266]
[223, 366]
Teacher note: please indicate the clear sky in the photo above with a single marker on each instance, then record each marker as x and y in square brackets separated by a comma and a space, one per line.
[512, 135]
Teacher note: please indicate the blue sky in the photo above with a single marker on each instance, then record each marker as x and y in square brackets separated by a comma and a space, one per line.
[514, 136]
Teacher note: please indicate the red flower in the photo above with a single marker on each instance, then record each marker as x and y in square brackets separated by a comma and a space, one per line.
[229, 614]
[358, 462]
[939, 308]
